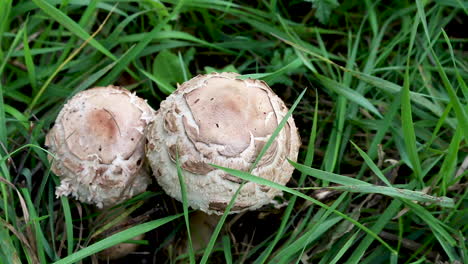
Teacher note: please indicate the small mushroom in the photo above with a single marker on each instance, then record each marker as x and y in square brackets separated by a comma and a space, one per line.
[220, 119]
[98, 142]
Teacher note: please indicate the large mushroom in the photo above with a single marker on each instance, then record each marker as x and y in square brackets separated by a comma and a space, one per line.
[99, 147]
[220, 119]
[98, 141]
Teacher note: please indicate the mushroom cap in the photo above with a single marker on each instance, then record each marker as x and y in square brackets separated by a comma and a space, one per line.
[219, 119]
[99, 146]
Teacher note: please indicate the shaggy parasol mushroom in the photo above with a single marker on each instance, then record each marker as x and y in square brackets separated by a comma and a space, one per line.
[219, 119]
[99, 146]
[98, 141]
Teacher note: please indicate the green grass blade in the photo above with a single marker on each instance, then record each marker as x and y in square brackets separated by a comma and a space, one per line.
[383, 220]
[328, 176]
[347, 92]
[270, 141]
[343, 250]
[398, 193]
[407, 124]
[8, 253]
[356, 185]
[287, 213]
[117, 238]
[460, 110]
[37, 227]
[277, 130]
[68, 223]
[319, 229]
[372, 165]
[164, 87]
[222, 220]
[3, 122]
[29, 62]
[249, 177]
[227, 249]
[16, 40]
[183, 191]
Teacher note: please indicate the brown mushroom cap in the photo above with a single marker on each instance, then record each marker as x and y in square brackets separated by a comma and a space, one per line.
[222, 120]
[98, 141]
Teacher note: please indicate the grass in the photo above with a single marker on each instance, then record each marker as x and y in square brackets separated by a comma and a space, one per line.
[383, 122]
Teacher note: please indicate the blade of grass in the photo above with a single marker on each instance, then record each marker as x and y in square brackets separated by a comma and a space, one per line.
[214, 236]
[3, 147]
[397, 193]
[37, 227]
[183, 191]
[445, 239]
[372, 165]
[29, 62]
[68, 223]
[115, 216]
[447, 170]
[227, 249]
[270, 141]
[16, 40]
[343, 249]
[347, 92]
[3, 124]
[249, 177]
[4, 21]
[287, 213]
[117, 238]
[407, 118]
[460, 111]
[163, 87]
[8, 253]
[320, 223]
[270, 76]
[351, 184]
[277, 130]
[299, 245]
[383, 220]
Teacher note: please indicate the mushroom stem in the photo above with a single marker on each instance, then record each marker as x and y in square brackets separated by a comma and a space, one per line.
[202, 226]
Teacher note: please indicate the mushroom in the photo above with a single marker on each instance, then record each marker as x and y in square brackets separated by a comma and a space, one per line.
[220, 119]
[98, 141]
[99, 146]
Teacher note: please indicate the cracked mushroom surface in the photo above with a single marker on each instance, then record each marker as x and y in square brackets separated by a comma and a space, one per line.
[99, 146]
[219, 119]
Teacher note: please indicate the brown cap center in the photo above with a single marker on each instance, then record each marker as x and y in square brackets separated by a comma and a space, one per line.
[227, 112]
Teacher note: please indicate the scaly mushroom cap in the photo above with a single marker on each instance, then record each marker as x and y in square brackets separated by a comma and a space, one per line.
[222, 120]
[98, 141]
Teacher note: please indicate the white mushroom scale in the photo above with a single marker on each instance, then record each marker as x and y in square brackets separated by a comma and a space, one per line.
[220, 119]
[98, 142]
